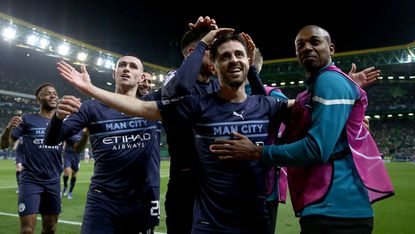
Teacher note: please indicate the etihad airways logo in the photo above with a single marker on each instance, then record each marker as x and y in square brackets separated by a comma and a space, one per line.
[127, 141]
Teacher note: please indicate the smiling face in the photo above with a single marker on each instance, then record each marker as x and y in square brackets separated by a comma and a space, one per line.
[230, 61]
[47, 98]
[144, 86]
[128, 72]
[313, 48]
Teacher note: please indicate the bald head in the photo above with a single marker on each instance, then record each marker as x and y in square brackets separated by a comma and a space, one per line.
[315, 30]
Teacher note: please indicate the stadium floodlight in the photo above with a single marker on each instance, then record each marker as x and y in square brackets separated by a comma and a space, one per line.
[32, 39]
[109, 63]
[63, 49]
[161, 77]
[82, 56]
[100, 61]
[43, 43]
[9, 33]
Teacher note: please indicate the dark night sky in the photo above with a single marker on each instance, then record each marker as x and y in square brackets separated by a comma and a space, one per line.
[153, 30]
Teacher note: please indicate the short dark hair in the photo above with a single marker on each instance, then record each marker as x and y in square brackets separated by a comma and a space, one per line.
[222, 39]
[194, 35]
[130, 54]
[42, 86]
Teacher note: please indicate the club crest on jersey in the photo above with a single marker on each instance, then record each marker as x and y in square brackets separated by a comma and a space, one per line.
[239, 115]
[22, 207]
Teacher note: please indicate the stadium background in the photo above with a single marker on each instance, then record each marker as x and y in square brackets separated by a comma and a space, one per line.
[25, 65]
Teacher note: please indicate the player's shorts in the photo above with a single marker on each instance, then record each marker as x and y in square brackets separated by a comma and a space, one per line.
[35, 198]
[106, 215]
[72, 162]
[179, 203]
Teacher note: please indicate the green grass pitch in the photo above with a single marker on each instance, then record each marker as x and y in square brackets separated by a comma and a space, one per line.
[393, 215]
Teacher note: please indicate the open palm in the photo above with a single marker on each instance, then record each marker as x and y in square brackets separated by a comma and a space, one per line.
[79, 80]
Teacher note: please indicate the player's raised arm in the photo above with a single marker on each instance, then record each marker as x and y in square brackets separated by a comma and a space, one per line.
[123, 103]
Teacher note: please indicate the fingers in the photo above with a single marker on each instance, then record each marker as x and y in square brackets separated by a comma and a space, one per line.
[65, 66]
[223, 141]
[227, 158]
[70, 101]
[238, 136]
[66, 106]
[369, 69]
[202, 22]
[83, 69]
[219, 151]
[353, 69]
[15, 121]
[65, 70]
[64, 74]
[371, 75]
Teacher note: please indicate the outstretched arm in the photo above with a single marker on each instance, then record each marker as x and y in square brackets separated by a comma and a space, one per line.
[122, 103]
[187, 75]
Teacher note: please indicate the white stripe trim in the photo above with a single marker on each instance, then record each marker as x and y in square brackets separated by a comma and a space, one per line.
[39, 218]
[8, 187]
[59, 221]
[334, 101]
[374, 157]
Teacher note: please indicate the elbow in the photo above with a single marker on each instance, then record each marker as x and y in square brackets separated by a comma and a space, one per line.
[315, 151]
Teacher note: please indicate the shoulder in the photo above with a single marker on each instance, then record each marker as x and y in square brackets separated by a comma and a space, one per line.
[91, 104]
[334, 84]
[169, 76]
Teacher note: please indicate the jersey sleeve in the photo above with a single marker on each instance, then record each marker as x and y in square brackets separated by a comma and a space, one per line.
[59, 130]
[186, 76]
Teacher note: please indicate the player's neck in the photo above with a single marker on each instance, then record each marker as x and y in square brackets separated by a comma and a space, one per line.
[126, 91]
[47, 113]
[231, 94]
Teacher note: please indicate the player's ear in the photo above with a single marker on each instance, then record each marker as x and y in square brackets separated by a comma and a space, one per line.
[212, 69]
